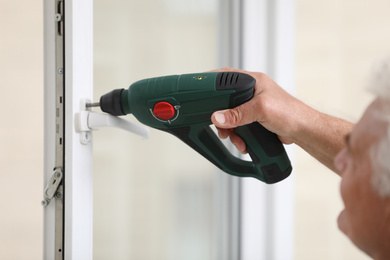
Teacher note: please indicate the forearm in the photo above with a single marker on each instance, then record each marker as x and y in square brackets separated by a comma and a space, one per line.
[322, 136]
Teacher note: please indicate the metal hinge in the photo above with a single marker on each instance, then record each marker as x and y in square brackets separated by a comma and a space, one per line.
[52, 187]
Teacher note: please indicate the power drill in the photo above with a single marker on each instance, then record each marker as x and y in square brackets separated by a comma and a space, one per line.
[183, 104]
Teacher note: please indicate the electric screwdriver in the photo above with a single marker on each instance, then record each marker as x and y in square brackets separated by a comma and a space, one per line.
[183, 104]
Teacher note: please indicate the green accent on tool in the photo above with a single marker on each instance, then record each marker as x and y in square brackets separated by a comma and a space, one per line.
[183, 104]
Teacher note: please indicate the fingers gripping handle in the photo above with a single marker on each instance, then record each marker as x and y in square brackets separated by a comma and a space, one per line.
[266, 151]
[204, 141]
[270, 162]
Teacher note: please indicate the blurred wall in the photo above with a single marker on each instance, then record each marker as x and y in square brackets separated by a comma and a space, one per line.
[338, 41]
[21, 131]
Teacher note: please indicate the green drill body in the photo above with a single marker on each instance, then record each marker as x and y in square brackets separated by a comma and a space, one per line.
[183, 104]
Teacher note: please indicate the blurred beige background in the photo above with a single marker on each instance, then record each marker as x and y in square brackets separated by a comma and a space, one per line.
[337, 41]
[21, 136]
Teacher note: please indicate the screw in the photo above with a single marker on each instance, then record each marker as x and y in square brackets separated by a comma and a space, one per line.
[59, 195]
[44, 203]
[58, 17]
[60, 71]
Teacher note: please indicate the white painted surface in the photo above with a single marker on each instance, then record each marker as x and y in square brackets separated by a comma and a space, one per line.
[78, 157]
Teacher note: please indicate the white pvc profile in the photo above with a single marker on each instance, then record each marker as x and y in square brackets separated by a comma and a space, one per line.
[228, 189]
[257, 35]
[267, 210]
[78, 157]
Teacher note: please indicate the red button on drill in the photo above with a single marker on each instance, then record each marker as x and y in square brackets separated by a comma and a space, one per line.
[164, 110]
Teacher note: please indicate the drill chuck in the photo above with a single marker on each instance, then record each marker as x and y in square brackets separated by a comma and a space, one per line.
[111, 103]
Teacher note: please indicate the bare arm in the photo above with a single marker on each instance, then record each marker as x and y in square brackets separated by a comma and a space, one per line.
[321, 135]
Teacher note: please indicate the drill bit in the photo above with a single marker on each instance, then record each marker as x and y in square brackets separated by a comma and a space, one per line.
[96, 104]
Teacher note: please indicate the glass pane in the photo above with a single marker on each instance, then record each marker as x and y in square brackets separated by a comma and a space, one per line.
[338, 42]
[153, 199]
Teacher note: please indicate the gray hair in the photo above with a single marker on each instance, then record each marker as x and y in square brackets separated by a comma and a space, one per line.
[380, 151]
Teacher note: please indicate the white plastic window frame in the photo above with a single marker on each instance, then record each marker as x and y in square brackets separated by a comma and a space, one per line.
[257, 219]
[268, 46]
[78, 73]
[258, 27]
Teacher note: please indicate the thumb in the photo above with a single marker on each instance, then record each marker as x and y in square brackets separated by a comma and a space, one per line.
[231, 118]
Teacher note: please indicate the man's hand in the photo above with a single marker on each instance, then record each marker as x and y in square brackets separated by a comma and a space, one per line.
[319, 134]
[271, 106]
